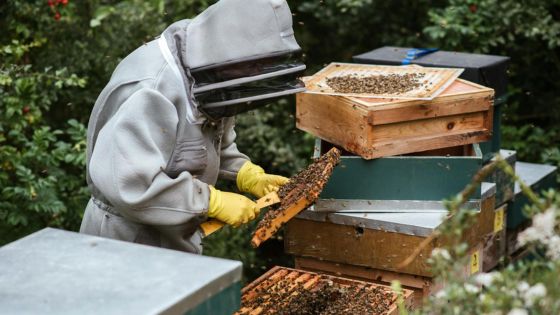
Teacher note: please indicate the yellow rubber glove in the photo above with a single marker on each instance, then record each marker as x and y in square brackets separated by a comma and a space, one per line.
[230, 208]
[251, 178]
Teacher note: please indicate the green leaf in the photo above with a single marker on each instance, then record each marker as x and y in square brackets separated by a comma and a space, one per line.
[100, 14]
[94, 23]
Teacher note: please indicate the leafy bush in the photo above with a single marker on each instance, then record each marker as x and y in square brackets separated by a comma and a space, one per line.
[522, 287]
[55, 57]
[529, 32]
[336, 30]
[42, 166]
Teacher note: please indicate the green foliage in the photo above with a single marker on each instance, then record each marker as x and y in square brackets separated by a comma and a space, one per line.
[335, 30]
[486, 25]
[51, 71]
[41, 180]
[529, 285]
[529, 140]
[529, 32]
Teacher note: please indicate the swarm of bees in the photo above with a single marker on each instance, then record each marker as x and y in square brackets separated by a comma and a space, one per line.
[376, 84]
[307, 184]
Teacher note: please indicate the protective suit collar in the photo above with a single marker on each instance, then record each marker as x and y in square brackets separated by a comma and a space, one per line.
[172, 46]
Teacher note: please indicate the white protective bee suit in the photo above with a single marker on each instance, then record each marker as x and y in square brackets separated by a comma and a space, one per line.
[151, 153]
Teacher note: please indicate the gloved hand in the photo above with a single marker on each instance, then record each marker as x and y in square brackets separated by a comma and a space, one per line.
[251, 178]
[230, 208]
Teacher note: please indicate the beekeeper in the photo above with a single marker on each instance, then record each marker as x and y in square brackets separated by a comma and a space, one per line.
[162, 131]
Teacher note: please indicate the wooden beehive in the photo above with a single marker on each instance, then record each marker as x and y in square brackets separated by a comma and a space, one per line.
[422, 176]
[371, 246]
[374, 127]
[381, 240]
[291, 291]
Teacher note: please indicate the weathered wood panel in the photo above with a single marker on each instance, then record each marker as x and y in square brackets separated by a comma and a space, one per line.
[373, 248]
[375, 128]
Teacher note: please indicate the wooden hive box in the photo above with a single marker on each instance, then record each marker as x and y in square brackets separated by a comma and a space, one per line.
[373, 127]
[487, 70]
[487, 255]
[370, 246]
[283, 288]
[394, 182]
[379, 240]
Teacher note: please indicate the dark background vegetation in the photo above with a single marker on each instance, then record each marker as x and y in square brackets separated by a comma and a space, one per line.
[55, 59]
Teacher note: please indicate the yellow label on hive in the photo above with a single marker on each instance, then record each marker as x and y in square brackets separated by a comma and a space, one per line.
[499, 220]
[475, 262]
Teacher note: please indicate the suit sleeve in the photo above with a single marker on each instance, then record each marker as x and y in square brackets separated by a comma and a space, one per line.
[129, 158]
[231, 160]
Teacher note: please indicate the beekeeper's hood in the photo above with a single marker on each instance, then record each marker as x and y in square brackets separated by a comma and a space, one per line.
[242, 54]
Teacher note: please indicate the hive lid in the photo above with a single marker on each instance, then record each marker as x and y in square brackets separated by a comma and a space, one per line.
[531, 173]
[59, 272]
[413, 223]
[432, 83]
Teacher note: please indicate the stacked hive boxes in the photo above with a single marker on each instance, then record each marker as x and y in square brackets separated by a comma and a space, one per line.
[401, 159]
